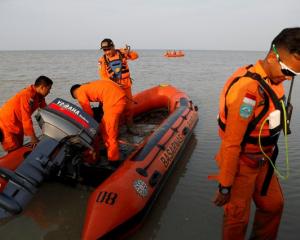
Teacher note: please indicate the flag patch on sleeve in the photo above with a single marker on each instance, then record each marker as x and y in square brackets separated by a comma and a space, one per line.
[247, 106]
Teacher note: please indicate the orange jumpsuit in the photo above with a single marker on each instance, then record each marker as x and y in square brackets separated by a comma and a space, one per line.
[15, 117]
[241, 165]
[113, 101]
[105, 72]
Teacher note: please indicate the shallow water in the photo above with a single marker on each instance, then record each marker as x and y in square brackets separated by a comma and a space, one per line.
[184, 209]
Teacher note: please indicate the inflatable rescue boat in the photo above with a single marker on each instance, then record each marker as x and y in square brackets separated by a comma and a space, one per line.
[165, 118]
[171, 54]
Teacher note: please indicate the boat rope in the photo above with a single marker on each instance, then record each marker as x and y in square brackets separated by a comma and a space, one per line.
[161, 147]
[128, 143]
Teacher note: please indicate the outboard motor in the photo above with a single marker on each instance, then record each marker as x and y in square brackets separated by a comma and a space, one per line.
[66, 132]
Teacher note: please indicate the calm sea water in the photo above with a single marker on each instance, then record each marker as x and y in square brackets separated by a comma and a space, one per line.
[184, 209]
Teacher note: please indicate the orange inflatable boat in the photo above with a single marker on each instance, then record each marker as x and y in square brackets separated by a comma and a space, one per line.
[174, 54]
[165, 118]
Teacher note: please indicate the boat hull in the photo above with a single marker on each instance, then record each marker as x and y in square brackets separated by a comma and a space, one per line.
[123, 199]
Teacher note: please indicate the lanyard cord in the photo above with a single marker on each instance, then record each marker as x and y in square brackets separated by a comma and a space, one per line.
[286, 176]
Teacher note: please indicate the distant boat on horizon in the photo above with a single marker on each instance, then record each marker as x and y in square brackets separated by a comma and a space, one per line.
[174, 53]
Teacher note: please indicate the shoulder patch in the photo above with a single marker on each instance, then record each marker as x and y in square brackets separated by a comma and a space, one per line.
[247, 106]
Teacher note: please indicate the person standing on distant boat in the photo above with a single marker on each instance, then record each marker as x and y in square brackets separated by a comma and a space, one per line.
[252, 114]
[113, 65]
[113, 101]
[15, 114]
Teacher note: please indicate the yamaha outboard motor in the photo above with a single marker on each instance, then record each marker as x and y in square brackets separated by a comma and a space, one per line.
[66, 131]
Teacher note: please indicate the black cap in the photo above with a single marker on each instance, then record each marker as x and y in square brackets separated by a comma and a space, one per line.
[107, 43]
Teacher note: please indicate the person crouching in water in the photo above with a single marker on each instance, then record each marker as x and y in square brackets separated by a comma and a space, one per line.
[15, 114]
[113, 100]
[113, 65]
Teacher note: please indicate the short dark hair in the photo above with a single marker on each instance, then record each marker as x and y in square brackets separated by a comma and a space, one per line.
[107, 43]
[44, 81]
[289, 39]
[73, 88]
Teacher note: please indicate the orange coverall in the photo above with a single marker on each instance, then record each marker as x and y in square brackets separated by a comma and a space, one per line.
[239, 166]
[113, 101]
[15, 117]
[125, 80]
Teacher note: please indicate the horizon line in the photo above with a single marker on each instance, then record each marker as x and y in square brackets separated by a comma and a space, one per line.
[137, 49]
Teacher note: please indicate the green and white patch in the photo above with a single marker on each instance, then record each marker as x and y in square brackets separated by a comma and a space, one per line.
[247, 106]
[246, 110]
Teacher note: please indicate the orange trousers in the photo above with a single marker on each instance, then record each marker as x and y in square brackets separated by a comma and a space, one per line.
[109, 127]
[247, 186]
[10, 140]
[128, 114]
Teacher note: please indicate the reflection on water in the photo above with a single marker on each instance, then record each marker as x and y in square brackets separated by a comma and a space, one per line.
[157, 226]
[53, 214]
[184, 208]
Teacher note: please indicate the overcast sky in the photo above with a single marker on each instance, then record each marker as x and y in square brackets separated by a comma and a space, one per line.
[145, 24]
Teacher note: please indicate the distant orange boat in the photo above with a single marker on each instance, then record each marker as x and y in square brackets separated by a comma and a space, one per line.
[174, 53]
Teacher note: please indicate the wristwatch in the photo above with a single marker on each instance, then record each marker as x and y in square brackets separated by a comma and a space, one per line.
[224, 190]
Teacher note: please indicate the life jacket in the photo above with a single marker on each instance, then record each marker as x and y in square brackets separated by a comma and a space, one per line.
[250, 143]
[117, 69]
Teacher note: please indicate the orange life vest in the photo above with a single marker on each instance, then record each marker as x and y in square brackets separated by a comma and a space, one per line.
[267, 101]
[124, 69]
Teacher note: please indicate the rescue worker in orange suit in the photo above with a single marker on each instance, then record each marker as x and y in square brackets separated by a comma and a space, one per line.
[113, 101]
[15, 114]
[249, 96]
[113, 65]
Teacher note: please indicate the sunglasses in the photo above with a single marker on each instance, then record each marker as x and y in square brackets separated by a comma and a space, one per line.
[284, 68]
